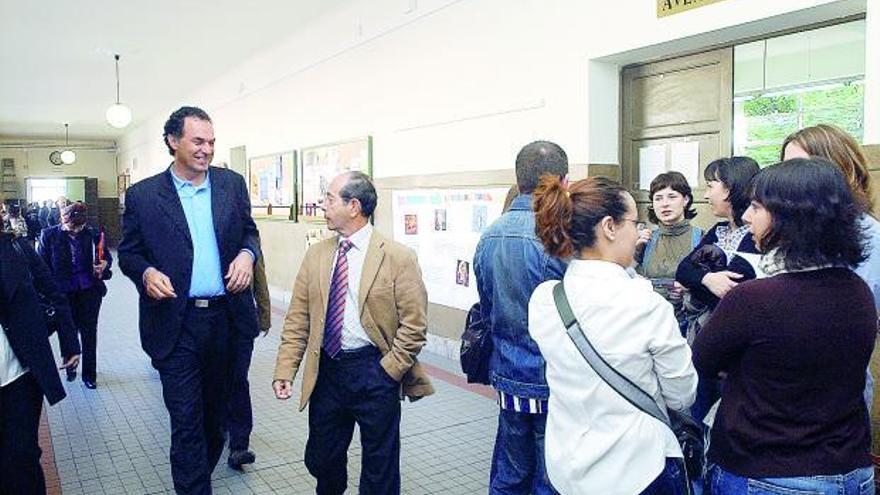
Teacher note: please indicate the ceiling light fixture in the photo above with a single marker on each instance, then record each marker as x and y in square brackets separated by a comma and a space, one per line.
[118, 115]
[67, 156]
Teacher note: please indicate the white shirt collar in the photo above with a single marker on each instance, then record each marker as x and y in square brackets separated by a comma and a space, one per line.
[361, 238]
[596, 269]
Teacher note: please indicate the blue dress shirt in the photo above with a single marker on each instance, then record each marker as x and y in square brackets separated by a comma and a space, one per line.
[207, 274]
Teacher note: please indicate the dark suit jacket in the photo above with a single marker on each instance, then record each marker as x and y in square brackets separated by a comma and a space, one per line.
[55, 249]
[22, 276]
[155, 234]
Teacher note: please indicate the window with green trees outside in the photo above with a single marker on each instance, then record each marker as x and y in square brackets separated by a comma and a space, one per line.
[797, 80]
[767, 120]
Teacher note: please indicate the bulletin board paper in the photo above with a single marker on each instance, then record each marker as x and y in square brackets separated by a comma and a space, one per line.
[685, 158]
[652, 162]
[444, 226]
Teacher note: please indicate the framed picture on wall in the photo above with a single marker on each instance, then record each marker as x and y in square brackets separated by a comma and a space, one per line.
[321, 163]
[272, 185]
[123, 181]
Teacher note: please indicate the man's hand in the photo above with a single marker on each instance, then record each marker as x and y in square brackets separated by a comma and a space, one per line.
[157, 285]
[676, 292]
[720, 283]
[70, 363]
[283, 389]
[644, 237]
[99, 269]
[240, 274]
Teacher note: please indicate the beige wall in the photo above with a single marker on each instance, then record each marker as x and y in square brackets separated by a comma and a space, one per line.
[32, 160]
[454, 87]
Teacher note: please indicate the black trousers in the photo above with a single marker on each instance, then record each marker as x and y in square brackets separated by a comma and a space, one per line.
[21, 403]
[195, 384]
[240, 415]
[354, 388]
[84, 307]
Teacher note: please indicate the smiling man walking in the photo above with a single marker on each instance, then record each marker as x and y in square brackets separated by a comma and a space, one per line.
[189, 245]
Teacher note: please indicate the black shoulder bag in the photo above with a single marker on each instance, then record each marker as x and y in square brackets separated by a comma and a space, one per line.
[50, 316]
[476, 347]
[686, 429]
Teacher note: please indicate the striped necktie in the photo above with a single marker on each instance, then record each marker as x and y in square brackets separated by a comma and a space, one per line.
[336, 301]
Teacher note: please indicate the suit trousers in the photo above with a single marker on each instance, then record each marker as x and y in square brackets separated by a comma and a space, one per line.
[240, 415]
[195, 387]
[84, 308]
[21, 403]
[354, 388]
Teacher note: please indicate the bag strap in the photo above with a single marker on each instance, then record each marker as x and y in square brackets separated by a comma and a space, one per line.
[621, 384]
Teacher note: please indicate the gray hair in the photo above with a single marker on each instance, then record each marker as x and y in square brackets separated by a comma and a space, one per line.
[360, 187]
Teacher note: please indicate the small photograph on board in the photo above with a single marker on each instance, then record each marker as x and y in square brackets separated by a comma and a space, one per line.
[478, 222]
[410, 224]
[463, 273]
[440, 220]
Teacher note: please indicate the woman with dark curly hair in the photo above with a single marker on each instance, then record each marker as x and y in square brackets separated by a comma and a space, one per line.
[794, 345]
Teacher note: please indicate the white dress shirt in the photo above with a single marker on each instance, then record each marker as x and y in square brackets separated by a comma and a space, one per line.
[10, 367]
[596, 441]
[353, 333]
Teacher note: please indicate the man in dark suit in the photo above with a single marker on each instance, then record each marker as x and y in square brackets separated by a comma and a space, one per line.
[189, 244]
[27, 368]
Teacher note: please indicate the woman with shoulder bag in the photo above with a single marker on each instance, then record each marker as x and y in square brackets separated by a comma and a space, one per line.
[794, 345]
[596, 440]
[27, 369]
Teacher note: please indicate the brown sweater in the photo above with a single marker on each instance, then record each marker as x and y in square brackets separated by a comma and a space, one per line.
[795, 347]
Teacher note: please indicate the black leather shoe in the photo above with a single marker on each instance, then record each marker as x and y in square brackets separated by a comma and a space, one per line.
[71, 374]
[90, 384]
[238, 458]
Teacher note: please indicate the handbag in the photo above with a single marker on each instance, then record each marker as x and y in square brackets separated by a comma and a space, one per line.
[686, 429]
[50, 316]
[476, 347]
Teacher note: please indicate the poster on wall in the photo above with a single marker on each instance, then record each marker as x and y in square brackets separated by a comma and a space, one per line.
[320, 164]
[272, 185]
[444, 226]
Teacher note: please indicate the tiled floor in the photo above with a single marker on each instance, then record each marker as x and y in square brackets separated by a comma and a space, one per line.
[114, 440]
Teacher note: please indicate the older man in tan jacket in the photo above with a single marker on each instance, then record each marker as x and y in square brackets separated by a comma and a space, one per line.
[358, 315]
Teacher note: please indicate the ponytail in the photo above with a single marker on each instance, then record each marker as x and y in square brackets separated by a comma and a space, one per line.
[553, 212]
[566, 220]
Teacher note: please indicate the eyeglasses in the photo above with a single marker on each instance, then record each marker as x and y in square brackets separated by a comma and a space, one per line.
[639, 225]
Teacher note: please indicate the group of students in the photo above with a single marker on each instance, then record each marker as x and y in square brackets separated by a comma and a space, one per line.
[767, 339]
[30, 221]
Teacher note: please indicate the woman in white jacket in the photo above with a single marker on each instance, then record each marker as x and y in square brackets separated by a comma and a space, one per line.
[596, 441]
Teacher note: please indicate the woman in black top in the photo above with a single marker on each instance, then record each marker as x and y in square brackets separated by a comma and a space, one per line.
[727, 190]
[28, 372]
[727, 183]
[794, 345]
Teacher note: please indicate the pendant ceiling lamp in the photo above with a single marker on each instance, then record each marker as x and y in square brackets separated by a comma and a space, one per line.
[118, 115]
[67, 156]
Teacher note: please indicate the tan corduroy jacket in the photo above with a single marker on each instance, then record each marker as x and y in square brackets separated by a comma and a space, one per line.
[393, 305]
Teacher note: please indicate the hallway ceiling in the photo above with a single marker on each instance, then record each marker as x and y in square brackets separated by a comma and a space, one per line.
[56, 56]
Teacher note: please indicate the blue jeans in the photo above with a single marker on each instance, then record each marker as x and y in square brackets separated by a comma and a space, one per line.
[518, 460]
[671, 480]
[857, 482]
